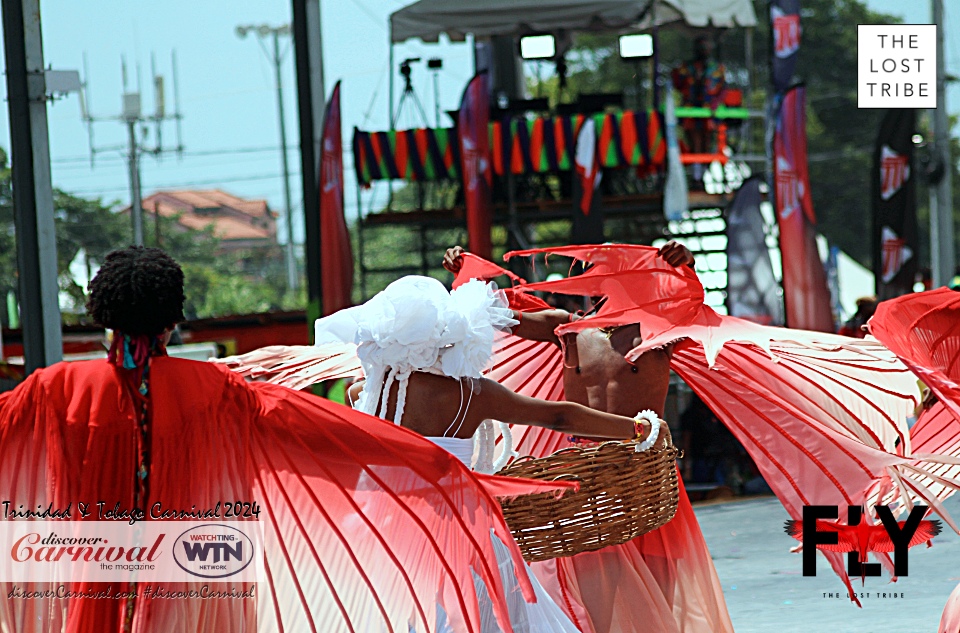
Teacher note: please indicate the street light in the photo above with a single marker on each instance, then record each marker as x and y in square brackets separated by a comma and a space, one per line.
[263, 31]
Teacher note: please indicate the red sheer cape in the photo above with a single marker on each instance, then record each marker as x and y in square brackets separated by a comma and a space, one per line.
[367, 526]
[823, 416]
[924, 331]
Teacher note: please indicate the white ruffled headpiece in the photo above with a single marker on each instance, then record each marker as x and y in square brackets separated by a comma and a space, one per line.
[416, 325]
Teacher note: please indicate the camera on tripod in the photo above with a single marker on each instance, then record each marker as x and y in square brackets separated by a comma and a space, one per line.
[405, 68]
[434, 64]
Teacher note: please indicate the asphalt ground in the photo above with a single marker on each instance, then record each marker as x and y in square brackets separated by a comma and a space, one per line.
[766, 591]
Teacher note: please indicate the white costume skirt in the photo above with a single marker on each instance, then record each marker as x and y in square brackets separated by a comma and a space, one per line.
[543, 616]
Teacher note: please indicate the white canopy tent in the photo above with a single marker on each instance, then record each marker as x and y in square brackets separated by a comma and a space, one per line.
[699, 14]
[427, 19]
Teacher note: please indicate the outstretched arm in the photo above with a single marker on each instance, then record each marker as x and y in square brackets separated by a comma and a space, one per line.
[533, 326]
[499, 403]
[540, 326]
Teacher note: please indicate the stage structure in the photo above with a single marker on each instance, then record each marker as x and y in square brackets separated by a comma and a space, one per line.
[415, 175]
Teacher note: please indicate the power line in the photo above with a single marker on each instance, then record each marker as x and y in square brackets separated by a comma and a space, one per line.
[376, 19]
[195, 183]
[210, 152]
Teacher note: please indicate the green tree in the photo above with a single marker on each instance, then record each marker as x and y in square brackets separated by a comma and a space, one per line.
[83, 226]
[216, 283]
[8, 241]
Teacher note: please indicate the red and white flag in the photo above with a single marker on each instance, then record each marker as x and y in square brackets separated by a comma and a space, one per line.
[588, 163]
[474, 119]
[805, 292]
[893, 195]
[336, 255]
[894, 171]
[895, 254]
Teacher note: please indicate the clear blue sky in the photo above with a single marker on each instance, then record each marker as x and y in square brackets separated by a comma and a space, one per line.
[227, 88]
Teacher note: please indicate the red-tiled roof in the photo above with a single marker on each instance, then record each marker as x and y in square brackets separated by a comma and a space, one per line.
[232, 218]
[226, 228]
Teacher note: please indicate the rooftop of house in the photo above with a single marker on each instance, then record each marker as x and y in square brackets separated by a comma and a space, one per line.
[232, 218]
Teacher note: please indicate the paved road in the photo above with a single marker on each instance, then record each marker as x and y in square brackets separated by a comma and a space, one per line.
[766, 591]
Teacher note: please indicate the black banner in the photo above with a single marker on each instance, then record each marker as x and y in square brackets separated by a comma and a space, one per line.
[785, 30]
[893, 191]
[752, 289]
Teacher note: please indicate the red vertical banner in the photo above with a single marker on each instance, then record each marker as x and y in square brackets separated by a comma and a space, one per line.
[336, 255]
[473, 121]
[805, 293]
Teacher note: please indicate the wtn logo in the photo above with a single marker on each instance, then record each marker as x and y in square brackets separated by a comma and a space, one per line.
[202, 550]
[213, 551]
[857, 538]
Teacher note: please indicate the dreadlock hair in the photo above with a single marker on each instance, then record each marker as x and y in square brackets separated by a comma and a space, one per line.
[138, 291]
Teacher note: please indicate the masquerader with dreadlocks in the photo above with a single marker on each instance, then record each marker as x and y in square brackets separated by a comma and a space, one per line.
[366, 525]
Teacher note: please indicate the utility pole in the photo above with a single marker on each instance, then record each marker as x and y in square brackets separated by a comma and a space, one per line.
[311, 104]
[263, 31]
[27, 87]
[942, 256]
[131, 115]
[135, 121]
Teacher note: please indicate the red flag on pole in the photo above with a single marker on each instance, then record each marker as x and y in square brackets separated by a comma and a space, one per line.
[473, 126]
[336, 256]
[805, 293]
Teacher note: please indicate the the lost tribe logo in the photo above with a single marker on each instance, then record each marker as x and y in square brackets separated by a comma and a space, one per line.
[857, 538]
[213, 551]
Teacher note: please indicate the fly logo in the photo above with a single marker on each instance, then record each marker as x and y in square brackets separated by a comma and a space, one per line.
[786, 33]
[858, 538]
[213, 551]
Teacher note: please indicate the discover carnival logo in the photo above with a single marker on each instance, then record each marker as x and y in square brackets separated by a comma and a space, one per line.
[213, 551]
[114, 551]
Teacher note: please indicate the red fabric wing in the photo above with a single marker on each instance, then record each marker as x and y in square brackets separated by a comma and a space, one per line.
[823, 416]
[923, 329]
[367, 526]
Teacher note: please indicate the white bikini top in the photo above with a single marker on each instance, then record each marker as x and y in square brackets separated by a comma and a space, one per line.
[483, 441]
[459, 447]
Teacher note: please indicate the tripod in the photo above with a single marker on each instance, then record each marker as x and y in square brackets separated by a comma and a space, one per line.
[409, 94]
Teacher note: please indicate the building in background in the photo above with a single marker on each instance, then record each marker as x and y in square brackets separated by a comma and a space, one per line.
[238, 223]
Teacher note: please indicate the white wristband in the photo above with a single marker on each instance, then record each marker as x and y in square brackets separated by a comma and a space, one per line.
[654, 421]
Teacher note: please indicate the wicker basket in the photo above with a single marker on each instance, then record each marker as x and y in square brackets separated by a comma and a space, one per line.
[622, 495]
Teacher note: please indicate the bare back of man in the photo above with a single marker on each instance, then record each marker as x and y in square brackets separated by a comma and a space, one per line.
[597, 374]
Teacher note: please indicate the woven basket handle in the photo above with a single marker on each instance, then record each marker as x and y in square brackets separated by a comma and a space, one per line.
[665, 440]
